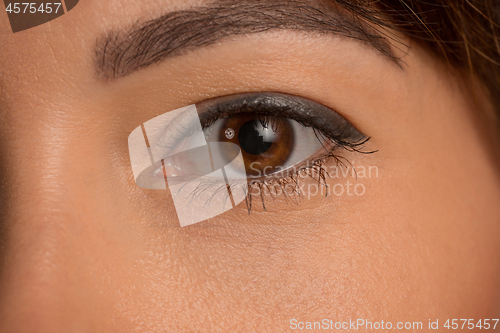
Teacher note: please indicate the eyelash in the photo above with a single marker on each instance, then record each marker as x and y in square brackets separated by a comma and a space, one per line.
[314, 170]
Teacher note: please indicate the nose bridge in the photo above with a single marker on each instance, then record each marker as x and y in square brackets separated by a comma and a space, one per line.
[39, 165]
[44, 266]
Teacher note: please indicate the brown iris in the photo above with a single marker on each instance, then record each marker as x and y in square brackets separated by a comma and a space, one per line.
[266, 142]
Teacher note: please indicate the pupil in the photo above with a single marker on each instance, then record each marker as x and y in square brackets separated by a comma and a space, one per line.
[254, 138]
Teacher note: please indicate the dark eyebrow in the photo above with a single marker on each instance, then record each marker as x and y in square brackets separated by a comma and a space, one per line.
[119, 53]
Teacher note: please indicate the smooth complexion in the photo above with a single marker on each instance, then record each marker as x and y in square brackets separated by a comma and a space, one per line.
[85, 249]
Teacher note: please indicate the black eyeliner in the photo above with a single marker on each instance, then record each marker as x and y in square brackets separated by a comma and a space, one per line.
[304, 111]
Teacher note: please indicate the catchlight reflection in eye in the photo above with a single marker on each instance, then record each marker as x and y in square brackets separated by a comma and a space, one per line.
[208, 154]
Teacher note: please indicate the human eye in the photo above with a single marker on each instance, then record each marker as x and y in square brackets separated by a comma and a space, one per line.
[230, 146]
[278, 134]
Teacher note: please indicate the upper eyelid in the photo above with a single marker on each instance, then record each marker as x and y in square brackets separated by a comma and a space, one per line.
[302, 110]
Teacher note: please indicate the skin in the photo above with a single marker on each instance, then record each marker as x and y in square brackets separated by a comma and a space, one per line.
[85, 249]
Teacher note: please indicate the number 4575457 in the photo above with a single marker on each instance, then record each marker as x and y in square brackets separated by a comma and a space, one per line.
[470, 324]
[26, 7]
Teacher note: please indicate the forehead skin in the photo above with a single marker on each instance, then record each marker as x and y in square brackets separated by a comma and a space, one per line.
[85, 249]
